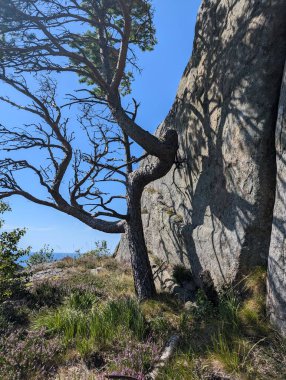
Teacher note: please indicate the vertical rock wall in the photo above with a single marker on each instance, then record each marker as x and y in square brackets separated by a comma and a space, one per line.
[215, 212]
[277, 255]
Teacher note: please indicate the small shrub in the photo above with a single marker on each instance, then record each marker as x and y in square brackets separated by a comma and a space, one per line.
[158, 261]
[255, 283]
[47, 294]
[119, 285]
[111, 264]
[205, 308]
[28, 355]
[186, 322]
[162, 314]
[11, 316]
[86, 282]
[105, 284]
[87, 261]
[99, 256]
[12, 280]
[66, 262]
[100, 250]
[45, 255]
[136, 359]
[94, 360]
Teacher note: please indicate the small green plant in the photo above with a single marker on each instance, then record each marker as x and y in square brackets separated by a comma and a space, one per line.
[79, 300]
[100, 250]
[169, 211]
[151, 190]
[205, 308]
[45, 255]
[228, 309]
[160, 326]
[230, 352]
[252, 314]
[11, 278]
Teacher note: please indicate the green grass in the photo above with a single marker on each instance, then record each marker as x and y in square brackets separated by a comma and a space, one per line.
[234, 338]
[230, 351]
[81, 300]
[88, 325]
[86, 314]
[182, 366]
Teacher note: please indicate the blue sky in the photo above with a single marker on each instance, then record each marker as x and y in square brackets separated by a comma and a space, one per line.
[155, 88]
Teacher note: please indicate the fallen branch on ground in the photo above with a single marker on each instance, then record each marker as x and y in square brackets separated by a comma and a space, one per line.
[165, 357]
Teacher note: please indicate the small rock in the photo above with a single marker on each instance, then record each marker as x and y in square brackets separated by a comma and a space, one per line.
[189, 305]
[98, 270]
[46, 274]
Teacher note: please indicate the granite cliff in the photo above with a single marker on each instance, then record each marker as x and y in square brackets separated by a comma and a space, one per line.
[277, 253]
[214, 212]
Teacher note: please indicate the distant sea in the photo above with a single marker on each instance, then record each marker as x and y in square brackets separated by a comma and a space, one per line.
[57, 256]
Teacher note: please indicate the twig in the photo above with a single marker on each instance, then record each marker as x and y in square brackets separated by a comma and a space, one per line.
[252, 348]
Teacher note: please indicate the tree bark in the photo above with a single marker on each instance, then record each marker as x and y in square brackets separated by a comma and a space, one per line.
[137, 181]
[142, 272]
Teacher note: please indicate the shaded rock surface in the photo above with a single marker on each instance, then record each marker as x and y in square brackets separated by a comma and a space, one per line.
[215, 212]
[165, 282]
[277, 254]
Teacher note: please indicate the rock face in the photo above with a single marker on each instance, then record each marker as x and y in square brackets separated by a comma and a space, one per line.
[277, 255]
[215, 212]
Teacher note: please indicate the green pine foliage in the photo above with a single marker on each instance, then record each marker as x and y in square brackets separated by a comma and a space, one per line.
[11, 280]
[142, 36]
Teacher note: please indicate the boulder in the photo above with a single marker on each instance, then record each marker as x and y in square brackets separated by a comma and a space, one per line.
[214, 211]
[276, 281]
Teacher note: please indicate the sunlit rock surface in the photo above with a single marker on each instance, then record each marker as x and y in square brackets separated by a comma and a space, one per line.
[215, 212]
[277, 255]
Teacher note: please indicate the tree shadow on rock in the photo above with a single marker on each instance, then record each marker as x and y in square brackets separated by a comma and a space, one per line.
[226, 120]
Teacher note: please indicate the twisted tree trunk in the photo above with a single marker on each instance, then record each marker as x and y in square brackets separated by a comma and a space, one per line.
[137, 181]
[142, 272]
